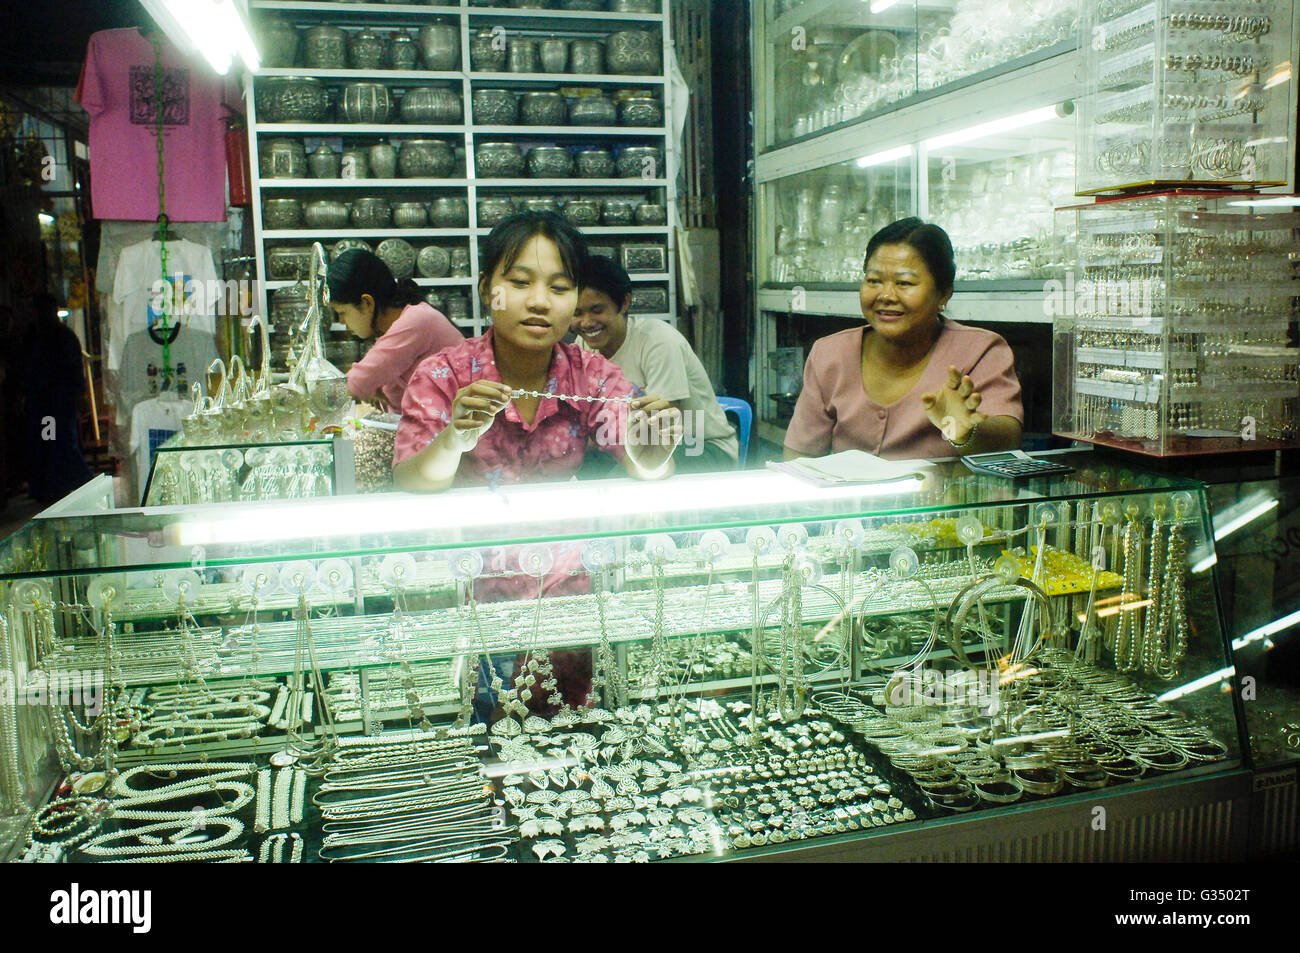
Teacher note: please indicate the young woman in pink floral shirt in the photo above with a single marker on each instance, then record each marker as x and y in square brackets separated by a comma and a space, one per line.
[460, 424]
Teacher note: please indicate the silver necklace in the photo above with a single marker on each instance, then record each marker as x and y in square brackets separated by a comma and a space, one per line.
[574, 397]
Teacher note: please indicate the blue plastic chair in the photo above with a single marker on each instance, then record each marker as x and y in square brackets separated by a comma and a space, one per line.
[745, 418]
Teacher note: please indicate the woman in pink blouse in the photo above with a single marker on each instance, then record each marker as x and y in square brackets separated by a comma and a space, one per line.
[366, 298]
[911, 384]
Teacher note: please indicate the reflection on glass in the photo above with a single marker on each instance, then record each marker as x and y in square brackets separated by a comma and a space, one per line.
[824, 218]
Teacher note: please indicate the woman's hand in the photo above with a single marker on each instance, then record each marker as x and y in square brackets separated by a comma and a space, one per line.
[654, 429]
[474, 408]
[954, 408]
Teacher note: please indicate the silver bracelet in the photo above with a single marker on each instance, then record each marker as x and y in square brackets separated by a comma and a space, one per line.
[970, 438]
[280, 799]
[299, 790]
[263, 817]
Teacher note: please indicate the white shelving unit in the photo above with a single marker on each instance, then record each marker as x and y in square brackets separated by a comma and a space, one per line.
[464, 136]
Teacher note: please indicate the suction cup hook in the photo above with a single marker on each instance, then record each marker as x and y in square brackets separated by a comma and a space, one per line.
[807, 569]
[1045, 514]
[660, 548]
[397, 570]
[103, 591]
[259, 581]
[181, 586]
[598, 555]
[1007, 569]
[334, 575]
[759, 539]
[849, 534]
[904, 562]
[31, 592]
[298, 578]
[970, 530]
[536, 560]
[714, 545]
[466, 564]
[791, 537]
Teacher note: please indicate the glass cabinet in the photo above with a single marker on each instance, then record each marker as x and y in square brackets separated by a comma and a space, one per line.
[835, 62]
[711, 667]
[296, 469]
[823, 218]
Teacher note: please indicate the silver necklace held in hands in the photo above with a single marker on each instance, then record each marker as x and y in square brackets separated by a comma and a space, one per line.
[627, 399]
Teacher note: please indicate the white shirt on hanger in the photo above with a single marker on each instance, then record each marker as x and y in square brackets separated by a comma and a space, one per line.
[139, 269]
[153, 423]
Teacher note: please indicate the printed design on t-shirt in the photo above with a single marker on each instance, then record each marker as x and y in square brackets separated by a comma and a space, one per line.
[176, 96]
[179, 373]
[184, 294]
[157, 437]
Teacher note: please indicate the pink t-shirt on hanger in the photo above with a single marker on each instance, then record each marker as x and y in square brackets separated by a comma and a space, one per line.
[117, 89]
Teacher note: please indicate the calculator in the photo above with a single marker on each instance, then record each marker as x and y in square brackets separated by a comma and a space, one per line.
[1013, 465]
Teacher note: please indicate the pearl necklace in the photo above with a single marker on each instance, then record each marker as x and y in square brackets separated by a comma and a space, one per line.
[10, 783]
[263, 811]
[124, 810]
[277, 841]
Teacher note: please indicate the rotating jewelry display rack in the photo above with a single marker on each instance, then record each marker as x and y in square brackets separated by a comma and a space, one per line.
[879, 663]
[1178, 337]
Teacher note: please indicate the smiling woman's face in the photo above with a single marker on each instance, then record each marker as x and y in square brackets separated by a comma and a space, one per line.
[898, 294]
[532, 301]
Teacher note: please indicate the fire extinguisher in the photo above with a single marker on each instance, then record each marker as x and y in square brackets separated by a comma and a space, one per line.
[237, 168]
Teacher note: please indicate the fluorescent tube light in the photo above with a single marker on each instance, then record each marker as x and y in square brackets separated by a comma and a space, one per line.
[994, 127]
[465, 511]
[889, 155]
[1237, 522]
[1277, 200]
[215, 28]
[880, 6]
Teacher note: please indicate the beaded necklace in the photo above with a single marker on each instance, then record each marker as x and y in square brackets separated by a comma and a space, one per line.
[586, 399]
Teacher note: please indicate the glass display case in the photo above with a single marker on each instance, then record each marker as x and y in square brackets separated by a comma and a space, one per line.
[995, 194]
[821, 220]
[839, 61]
[1176, 335]
[297, 469]
[1182, 91]
[712, 667]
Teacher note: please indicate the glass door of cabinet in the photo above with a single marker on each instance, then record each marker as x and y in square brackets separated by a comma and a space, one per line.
[819, 221]
[827, 62]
